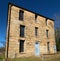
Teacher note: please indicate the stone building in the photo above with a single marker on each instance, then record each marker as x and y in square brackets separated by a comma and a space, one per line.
[28, 33]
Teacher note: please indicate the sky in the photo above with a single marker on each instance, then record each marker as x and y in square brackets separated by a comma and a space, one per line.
[48, 8]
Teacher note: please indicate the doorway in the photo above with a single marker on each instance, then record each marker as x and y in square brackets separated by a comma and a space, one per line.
[37, 49]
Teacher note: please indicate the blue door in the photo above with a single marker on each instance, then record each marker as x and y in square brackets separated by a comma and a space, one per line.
[37, 49]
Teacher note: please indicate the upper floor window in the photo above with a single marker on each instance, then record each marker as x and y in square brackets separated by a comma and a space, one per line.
[46, 21]
[36, 31]
[22, 30]
[47, 33]
[21, 15]
[35, 17]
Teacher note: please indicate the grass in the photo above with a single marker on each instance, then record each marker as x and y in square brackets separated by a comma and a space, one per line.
[55, 57]
[27, 59]
[2, 56]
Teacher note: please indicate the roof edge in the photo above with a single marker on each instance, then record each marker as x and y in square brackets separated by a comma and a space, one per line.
[29, 10]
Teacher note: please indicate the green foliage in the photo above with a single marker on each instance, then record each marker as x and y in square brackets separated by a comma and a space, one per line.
[2, 49]
[2, 56]
[2, 53]
[57, 34]
[58, 45]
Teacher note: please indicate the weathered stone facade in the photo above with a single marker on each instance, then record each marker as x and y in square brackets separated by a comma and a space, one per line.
[13, 33]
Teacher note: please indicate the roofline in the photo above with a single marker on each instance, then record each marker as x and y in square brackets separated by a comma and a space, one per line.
[29, 11]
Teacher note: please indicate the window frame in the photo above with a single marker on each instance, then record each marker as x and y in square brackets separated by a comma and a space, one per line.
[36, 31]
[48, 46]
[22, 31]
[47, 33]
[21, 46]
[35, 17]
[46, 21]
[21, 15]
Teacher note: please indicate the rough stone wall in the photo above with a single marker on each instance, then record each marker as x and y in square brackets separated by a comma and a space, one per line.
[30, 38]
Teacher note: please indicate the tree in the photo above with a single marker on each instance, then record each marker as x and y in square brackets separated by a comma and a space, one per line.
[2, 49]
[57, 34]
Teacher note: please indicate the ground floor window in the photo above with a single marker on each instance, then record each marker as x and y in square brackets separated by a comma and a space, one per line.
[48, 46]
[21, 46]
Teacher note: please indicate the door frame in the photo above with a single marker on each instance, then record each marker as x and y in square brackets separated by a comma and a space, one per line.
[37, 48]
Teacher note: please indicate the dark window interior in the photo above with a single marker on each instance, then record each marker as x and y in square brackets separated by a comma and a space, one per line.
[21, 48]
[47, 33]
[46, 21]
[36, 17]
[22, 29]
[36, 31]
[36, 43]
[48, 46]
[21, 15]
